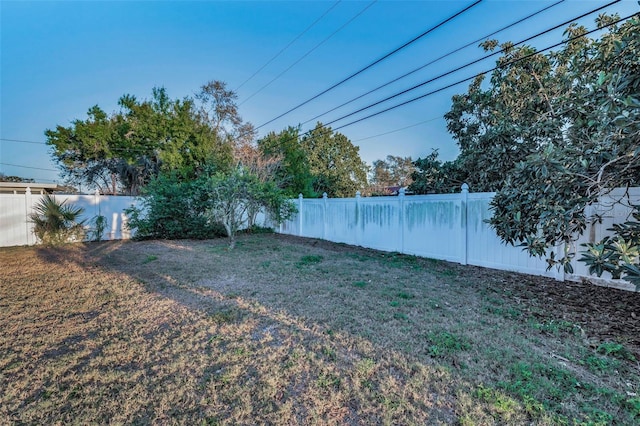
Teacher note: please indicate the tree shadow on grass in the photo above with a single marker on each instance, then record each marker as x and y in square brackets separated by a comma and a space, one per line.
[354, 337]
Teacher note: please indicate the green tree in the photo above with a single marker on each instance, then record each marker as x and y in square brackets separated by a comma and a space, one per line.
[233, 196]
[544, 197]
[294, 172]
[334, 162]
[432, 176]
[394, 171]
[173, 208]
[123, 151]
[552, 134]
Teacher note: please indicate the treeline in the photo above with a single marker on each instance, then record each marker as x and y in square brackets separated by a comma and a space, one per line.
[122, 152]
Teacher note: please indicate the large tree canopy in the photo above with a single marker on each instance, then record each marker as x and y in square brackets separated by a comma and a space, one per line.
[551, 133]
[123, 151]
[320, 161]
[334, 162]
[294, 174]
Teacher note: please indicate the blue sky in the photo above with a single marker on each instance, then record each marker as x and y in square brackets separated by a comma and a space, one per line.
[60, 58]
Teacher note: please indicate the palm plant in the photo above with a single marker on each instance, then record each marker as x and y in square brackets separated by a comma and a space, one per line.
[56, 222]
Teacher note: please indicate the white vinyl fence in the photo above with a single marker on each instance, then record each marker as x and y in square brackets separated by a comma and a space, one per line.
[445, 226]
[16, 229]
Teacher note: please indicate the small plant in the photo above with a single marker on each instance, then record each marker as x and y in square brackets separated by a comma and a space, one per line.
[99, 224]
[360, 284]
[309, 260]
[445, 343]
[616, 350]
[150, 259]
[56, 222]
[556, 327]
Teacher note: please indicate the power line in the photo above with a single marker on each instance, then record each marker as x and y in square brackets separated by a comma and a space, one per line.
[22, 141]
[482, 73]
[27, 167]
[398, 130]
[437, 59]
[431, 80]
[290, 43]
[377, 61]
[309, 52]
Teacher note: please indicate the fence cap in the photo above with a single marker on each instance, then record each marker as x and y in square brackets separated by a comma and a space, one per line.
[465, 187]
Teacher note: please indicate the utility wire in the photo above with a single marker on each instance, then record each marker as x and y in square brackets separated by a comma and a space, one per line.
[289, 45]
[398, 130]
[22, 141]
[27, 167]
[377, 61]
[431, 80]
[309, 52]
[482, 73]
[436, 60]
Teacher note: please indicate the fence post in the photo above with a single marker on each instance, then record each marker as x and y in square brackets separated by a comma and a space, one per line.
[401, 195]
[464, 193]
[359, 220]
[27, 211]
[300, 215]
[324, 215]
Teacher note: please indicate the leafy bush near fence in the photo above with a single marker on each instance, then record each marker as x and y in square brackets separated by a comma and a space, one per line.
[213, 205]
[57, 222]
[174, 209]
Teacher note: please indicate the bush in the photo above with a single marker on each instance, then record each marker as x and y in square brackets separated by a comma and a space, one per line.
[173, 209]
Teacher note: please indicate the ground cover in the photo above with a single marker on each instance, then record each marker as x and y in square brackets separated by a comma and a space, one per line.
[284, 330]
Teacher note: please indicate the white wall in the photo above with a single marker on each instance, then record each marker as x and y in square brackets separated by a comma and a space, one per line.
[449, 227]
[16, 229]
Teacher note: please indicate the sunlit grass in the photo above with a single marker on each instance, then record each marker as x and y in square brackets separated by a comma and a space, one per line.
[286, 331]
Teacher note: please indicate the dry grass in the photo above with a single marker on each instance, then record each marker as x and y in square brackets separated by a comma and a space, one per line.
[290, 331]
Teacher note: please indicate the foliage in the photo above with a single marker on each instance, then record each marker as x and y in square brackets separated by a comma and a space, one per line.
[618, 255]
[124, 151]
[334, 162]
[173, 209]
[234, 197]
[56, 222]
[551, 134]
[543, 200]
[320, 161]
[294, 174]
[5, 178]
[99, 224]
[434, 176]
[394, 171]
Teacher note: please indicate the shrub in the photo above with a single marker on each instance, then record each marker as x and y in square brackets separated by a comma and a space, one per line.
[173, 209]
[56, 222]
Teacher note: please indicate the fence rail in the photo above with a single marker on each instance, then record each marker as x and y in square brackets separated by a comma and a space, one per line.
[16, 229]
[450, 227]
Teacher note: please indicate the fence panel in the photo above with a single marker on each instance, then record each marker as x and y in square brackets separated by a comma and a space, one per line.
[16, 229]
[450, 227]
[432, 226]
[485, 248]
[378, 224]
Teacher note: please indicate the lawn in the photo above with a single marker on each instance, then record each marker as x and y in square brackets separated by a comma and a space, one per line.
[289, 331]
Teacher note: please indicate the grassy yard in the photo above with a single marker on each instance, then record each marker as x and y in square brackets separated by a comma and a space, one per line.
[288, 331]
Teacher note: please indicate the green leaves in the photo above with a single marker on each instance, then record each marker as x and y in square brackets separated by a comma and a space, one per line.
[56, 222]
